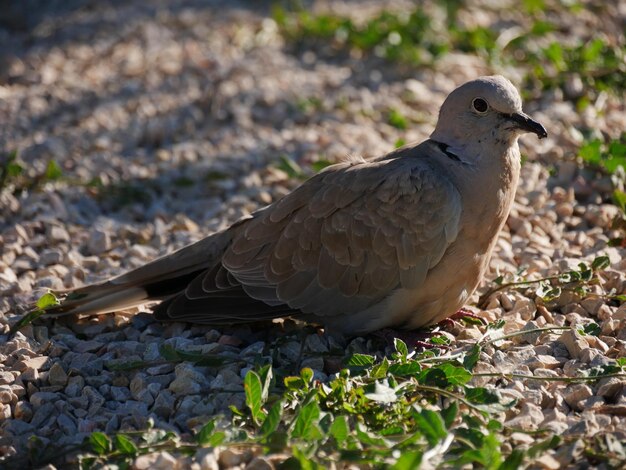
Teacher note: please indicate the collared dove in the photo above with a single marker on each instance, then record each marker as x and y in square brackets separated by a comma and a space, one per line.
[400, 241]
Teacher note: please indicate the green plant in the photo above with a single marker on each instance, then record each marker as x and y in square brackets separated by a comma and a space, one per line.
[392, 412]
[601, 66]
[400, 37]
[548, 289]
[13, 172]
[10, 169]
[609, 155]
[396, 119]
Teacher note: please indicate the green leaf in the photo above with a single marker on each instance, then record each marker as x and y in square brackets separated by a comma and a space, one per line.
[605, 369]
[440, 340]
[276, 441]
[600, 263]
[305, 426]
[124, 445]
[14, 169]
[53, 171]
[398, 431]
[290, 167]
[9, 168]
[86, 463]
[473, 433]
[401, 348]
[305, 462]
[455, 375]
[592, 329]
[619, 197]
[360, 361]
[450, 413]
[548, 293]
[266, 375]
[494, 425]
[540, 28]
[410, 368]
[307, 375]
[294, 383]
[591, 51]
[408, 461]
[540, 447]
[272, 420]
[319, 165]
[481, 396]
[379, 371]
[591, 152]
[613, 163]
[432, 426]
[254, 396]
[434, 377]
[47, 300]
[496, 325]
[339, 430]
[370, 438]
[203, 436]
[471, 358]
[217, 439]
[26, 320]
[617, 149]
[397, 119]
[487, 454]
[100, 443]
[554, 53]
[513, 461]
[469, 321]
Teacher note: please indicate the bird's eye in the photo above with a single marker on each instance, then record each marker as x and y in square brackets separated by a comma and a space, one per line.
[480, 105]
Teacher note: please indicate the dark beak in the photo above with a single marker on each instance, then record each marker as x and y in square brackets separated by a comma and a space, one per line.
[527, 124]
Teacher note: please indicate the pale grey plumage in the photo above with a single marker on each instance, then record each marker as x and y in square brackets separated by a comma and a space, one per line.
[399, 241]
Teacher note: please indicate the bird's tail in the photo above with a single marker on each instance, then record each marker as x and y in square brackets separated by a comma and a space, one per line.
[156, 280]
[97, 299]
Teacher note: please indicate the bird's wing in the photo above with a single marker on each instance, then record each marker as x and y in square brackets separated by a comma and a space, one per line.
[341, 242]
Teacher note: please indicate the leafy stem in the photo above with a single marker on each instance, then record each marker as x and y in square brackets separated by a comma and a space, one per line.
[551, 287]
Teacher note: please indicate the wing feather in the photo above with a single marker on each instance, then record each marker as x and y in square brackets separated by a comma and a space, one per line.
[341, 242]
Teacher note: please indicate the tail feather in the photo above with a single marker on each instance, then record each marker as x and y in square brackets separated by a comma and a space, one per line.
[98, 299]
[157, 280]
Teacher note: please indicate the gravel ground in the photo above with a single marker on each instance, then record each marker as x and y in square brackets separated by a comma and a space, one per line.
[168, 120]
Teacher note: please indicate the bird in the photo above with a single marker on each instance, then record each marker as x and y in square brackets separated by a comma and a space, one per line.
[400, 241]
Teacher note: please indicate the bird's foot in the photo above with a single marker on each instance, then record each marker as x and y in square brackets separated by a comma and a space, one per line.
[464, 315]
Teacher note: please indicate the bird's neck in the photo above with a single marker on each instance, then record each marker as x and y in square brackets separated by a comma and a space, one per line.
[495, 176]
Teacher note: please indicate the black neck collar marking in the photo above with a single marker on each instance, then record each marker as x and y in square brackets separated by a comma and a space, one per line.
[444, 148]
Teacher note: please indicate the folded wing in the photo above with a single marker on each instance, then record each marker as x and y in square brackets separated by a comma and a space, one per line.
[338, 244]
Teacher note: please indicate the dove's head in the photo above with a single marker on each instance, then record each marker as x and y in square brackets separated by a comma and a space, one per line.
[485, 111]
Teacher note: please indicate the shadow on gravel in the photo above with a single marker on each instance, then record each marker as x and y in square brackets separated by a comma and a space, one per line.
[35, 28]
